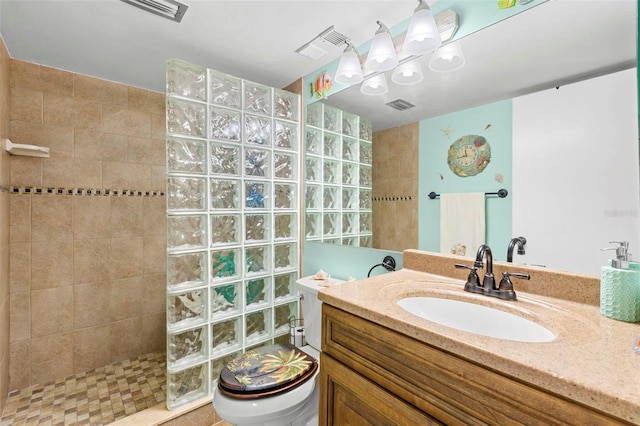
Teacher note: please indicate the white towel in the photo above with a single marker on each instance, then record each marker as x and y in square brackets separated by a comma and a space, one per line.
[462, 223]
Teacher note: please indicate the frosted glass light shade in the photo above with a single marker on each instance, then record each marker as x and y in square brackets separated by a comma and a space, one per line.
[407, 73]
[382, 53]
[422, 35]
[376, 85]
[448, 58]
[349, 69]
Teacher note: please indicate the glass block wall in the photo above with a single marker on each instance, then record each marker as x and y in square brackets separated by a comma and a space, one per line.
[338, 177]
[232, 222]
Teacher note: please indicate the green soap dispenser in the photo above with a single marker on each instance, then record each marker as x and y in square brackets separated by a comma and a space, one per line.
[620, 285]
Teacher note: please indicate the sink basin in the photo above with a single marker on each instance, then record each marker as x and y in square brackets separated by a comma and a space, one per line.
[477, 319]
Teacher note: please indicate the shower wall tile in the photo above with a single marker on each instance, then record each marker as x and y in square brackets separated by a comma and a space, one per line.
[5, 261]
[19, 218]
[126, 257]
[91, 217]
[58, 138]
[70, 172]
[51, 218]
[46, 321]
[100, 91]
[158, 127]
[20, 313]
[124, 340]
[51, 357]
[70, 112]
[144, 100]
[126, 175]
[153, 250]
[153, 289]
[95, 145]
[146, 151]
[154, 216]
[126, 121]
[44, 79]
[90, 260]
[90, 348]
[91, 305]
[27, 171]
[125, 298]
[26, 105]
[126, 219]
[153, 334]
[19, 364]
[52, 264]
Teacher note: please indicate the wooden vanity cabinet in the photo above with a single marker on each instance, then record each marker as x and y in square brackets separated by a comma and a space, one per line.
[372, 375]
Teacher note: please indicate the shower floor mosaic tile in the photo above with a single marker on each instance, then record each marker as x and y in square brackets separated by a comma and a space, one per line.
[97, 397]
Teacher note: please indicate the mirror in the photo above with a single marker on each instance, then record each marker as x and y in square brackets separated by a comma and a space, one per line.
[505, 61]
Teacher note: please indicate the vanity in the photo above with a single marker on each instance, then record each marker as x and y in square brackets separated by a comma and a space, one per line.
[383, 365]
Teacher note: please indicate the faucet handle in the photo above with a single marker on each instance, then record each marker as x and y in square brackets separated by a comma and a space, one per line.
[505, 289]
[473, 281]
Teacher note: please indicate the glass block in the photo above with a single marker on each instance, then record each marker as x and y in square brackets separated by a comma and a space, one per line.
[186, 232]
[285, 165]
[365, 199]
[285, 196]
[331, 197]
[313, 141]
[285, 256]
[331, 171]
[224, 89]
[286, 225]
[186, 270]
[349, 173]
[225, 194]
[286, 135]
[186, 156]
[218, 364]
[331, 224]
[257, 130]
[313, 197]
[332, 119]
[257, 163]
[186, 118]
[257, 260]
[186, 309]
[258, 325]
[350, 124]
[366, 152]
[224, 124]
[225, 159]
[185, 193]
[257, 228]
[350, 149]
[257, 98]
[349, 198]
[366, 222]
[257, 195]
[185, 79]
[313, 225]
[257, 292]
[314, 114]
[313, 169]
[187, 385]
[285, 104]
[350, 241]
[226, 335]
[186, 347]
[349, 223]
[225, 229]
[332, 145]
[226, 299]
[284, 286]
[281, 317]
[225, 264]
[366, 129]
[366, 240]
[366, 176]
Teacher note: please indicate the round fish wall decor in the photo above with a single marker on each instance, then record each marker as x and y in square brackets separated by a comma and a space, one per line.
[469, 155]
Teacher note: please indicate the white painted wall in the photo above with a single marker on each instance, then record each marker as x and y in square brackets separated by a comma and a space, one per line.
[575, 172]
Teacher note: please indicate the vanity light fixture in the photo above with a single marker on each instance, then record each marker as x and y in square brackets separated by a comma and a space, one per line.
[349, 69]
[448, 58]
[169, 9]
[407, 73]
[376, 85]
[422, 35]
[382, 53]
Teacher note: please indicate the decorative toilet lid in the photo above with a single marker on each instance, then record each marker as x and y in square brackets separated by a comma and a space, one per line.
[266, 371]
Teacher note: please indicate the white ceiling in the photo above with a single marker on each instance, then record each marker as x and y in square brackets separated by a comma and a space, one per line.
[545, 46]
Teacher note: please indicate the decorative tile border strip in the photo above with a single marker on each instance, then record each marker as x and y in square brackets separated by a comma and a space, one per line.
[394, 198]
[85, 191]
[4, 188]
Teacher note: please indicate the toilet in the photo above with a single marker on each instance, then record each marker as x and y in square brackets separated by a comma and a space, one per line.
[264, 398]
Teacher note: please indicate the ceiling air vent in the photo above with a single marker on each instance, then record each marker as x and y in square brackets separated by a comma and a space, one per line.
[169, 9]
[400, 104]
[322, 44]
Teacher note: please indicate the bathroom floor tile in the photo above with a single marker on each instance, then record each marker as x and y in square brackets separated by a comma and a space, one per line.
[97, 397]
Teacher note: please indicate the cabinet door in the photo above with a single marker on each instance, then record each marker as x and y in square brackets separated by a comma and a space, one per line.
[346, 398]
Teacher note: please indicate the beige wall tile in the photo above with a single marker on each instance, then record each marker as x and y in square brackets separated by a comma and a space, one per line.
[145, 151]
[147, 101]
[90, 305]
[125, 257]
[44, 79]
[20, 218]
[158, 127]
[58, 138]
[26, 171]
[20, 316]
[26, 105]
[158, 178]
[95, 145]
[125, 298]
[155, 216]
[125, 121]
[51, 358]
[99, 91]
[19, 267]
[154, 252]
[19, 364]
[52, 264]
[90, 348]
[69, 111]
[91, 261]
[72, 173]
[154, 290]
[126, 217]
[154, 332]
[91, 217]
[125, 339]
[51, 311]
[117, 175]
[51, 218]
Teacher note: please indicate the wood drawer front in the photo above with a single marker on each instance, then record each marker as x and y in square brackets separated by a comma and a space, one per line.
[451, 389]
[347, 398]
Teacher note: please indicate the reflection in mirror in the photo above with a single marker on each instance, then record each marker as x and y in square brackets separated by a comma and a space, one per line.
[506, 61]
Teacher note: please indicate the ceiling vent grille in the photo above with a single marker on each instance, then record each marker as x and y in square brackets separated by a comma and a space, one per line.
[169, 9]
[400, 104]
[322, 44]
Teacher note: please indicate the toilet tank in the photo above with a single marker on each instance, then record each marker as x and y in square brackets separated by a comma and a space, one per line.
[312, 307]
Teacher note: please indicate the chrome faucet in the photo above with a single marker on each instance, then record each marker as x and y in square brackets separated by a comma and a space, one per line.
[516, 241]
